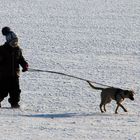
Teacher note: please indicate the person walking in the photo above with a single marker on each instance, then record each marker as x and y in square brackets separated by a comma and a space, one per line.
[11, 58]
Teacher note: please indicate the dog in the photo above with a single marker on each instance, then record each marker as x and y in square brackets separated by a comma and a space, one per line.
[113, 93]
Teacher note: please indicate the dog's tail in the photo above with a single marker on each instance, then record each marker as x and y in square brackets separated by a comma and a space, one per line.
[97, 88]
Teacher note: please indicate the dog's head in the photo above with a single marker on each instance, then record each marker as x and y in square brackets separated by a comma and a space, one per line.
[129, 94]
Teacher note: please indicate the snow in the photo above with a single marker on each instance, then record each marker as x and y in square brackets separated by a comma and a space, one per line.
[97, 40]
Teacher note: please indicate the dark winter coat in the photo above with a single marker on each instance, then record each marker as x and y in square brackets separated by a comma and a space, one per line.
[10, 61]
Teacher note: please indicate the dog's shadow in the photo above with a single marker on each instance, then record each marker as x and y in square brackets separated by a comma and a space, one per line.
[65, 115]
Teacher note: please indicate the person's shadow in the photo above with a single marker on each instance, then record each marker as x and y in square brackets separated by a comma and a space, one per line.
[66, 115]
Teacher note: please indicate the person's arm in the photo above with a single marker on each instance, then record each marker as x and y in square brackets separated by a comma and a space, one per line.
[23, 62]
[1, 55]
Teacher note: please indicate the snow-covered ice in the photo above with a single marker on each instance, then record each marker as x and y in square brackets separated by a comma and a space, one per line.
[97, 40]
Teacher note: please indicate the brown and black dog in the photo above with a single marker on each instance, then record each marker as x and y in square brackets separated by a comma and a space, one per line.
[112, 93]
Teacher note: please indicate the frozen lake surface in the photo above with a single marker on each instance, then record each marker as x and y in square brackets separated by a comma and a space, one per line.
[97, 40]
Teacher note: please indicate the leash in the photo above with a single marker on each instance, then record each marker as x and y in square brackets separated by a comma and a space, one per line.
[60, 73]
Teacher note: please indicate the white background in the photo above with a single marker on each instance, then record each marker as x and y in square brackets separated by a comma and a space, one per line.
[97, 40]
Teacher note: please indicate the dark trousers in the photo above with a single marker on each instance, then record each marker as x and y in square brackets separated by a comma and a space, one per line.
[10, 85]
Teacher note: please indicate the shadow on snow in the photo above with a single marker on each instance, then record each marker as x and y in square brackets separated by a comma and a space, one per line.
[65, 115]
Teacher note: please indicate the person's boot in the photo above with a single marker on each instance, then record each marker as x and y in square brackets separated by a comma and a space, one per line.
[15, 106]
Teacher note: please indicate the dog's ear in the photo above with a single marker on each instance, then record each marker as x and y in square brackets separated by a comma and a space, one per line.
[132, 91]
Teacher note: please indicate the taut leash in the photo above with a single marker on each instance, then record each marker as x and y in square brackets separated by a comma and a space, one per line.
[61, 73]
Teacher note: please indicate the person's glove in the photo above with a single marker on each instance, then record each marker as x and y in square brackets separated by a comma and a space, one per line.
[25, 68]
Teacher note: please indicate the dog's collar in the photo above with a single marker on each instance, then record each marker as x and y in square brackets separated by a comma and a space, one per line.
[121, 96]
[118, 92]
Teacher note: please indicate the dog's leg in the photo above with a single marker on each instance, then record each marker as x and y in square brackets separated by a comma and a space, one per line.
[116, 109]
[119, 104]
[104, 108]
[101, 108]
[123, 107]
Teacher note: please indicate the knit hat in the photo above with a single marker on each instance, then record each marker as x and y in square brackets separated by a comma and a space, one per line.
[5, 30]
[11, 36]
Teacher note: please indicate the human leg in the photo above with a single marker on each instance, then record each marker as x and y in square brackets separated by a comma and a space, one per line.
[3, 89]
[14, 93]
